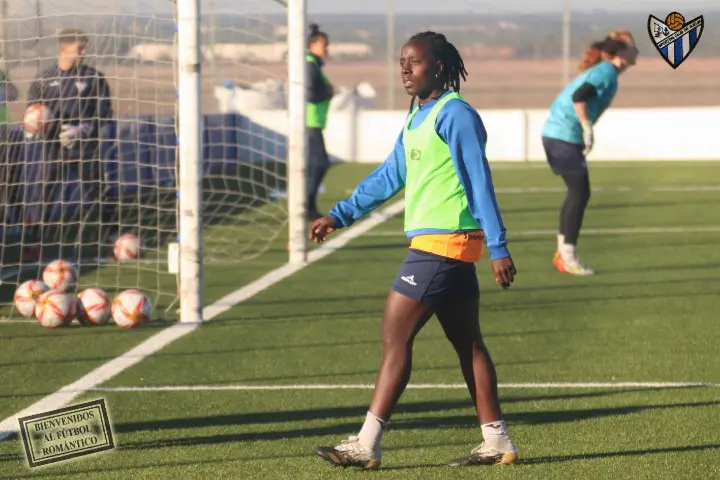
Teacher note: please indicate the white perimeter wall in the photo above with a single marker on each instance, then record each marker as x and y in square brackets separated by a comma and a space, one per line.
[515, 135]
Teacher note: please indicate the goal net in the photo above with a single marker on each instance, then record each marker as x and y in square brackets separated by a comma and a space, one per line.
[116, 172]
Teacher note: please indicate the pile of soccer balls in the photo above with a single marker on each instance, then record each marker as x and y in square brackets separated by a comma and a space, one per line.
[52, 302]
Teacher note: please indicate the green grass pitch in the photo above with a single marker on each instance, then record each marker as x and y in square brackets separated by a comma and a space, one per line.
[649, 315]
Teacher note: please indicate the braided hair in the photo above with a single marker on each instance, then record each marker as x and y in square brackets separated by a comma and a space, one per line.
[444, 51]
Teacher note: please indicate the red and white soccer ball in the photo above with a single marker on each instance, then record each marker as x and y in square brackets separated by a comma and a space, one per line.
[37, 116]
[93, 307]
[127, 247]
[60, 275]
[26, 296]
[131, 308]
[55, 309]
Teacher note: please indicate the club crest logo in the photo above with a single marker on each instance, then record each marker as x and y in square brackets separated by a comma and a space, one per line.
[675, 38]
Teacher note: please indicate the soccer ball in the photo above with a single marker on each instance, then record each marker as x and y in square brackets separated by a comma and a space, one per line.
[675, 21]
[131, 308]
[60, 275]
[55, 309]
[26, 296]
[93, 307]
[37, 116]
[127, 247]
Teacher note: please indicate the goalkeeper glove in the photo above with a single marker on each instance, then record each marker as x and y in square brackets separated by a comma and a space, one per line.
[69, 134]
[588, 138]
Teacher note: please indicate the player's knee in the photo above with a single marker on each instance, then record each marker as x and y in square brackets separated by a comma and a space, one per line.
[396, 342]
[463, 340]
[585, 194]
[579, 196]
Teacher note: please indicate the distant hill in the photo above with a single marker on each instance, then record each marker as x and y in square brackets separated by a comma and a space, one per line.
[526, 36]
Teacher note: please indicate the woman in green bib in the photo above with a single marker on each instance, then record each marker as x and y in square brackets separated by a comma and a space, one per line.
[319, 94]
[450, 211]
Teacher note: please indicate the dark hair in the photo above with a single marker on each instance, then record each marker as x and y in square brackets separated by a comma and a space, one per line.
[72, 35]
[315, 33]
[607, 48]
[444, 51]
[613, 46]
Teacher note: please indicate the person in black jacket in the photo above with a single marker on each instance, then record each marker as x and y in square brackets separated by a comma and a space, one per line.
[9, 192]
[78, 99]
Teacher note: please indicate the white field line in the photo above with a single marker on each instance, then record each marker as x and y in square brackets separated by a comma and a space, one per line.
[179, 330]
[417, 386]
[588, 231]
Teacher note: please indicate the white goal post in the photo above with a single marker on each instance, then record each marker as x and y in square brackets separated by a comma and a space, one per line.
[190, 147]
[297, 148]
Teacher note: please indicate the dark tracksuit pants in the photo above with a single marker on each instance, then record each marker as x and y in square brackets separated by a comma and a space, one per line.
[59, 170]
[318, 164]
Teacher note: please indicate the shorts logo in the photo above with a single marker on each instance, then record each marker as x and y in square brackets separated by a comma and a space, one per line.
[415, 154]
[675, 38]
[410, 279]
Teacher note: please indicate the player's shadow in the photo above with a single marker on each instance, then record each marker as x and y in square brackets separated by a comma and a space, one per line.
[617, 454]
[579, 457]
[350, 414]
[602, 285]
[583, 301]
[341, 429]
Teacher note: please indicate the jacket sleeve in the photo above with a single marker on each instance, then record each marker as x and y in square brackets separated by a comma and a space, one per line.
[378, 187]
[316, 89]
[460, 126]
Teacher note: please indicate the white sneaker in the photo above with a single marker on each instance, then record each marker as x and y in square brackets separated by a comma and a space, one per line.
[485, 454]
[350, 453]
[571, 265]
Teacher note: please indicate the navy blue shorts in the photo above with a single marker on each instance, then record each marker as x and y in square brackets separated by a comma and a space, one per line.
[433, 279]
[564, 158]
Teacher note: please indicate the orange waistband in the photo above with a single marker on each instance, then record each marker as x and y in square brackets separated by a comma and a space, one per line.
[464, 246]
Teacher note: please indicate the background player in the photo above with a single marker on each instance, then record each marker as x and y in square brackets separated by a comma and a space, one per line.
[440, 160]
[8, 171]
[568, 135]
[78, 97]
[8, 93]
[319, 94]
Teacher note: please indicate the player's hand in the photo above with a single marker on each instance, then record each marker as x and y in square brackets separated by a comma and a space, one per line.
[69, 134]
[331, 90]
[588, 137]
[321, 228]
[504, 270]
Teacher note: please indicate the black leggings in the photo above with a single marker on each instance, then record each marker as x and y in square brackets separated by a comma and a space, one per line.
[573, 210]
[318, 164]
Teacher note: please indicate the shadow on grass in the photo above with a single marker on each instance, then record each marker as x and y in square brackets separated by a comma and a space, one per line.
[305, 454]
[627, 453]
[454, 421]
[343, 428]
[518, 289]
[258, 458]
